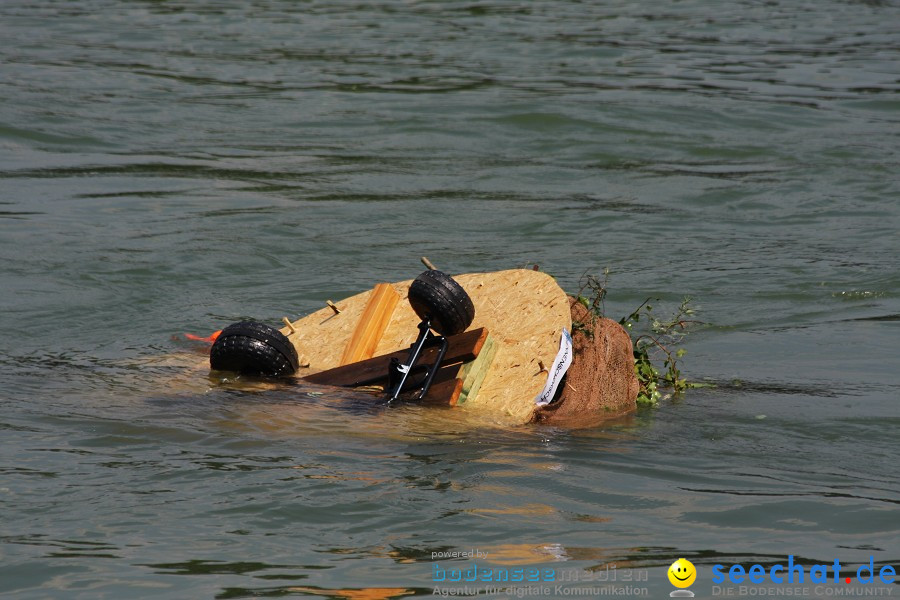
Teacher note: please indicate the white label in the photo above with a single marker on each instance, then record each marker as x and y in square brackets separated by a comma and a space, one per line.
[559, 368]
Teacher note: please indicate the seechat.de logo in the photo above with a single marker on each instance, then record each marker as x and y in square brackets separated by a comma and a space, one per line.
[795, 573]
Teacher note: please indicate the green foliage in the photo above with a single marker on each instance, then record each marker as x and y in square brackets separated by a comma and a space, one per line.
[654, 340]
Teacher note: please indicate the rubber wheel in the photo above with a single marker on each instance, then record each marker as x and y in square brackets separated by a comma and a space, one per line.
[253, 348]
[436, 295]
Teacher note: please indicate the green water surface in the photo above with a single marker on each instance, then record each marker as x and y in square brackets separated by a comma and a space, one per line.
[171, 166]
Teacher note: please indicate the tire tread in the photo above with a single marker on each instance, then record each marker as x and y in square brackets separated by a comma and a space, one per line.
[253, 348]
[437, 294]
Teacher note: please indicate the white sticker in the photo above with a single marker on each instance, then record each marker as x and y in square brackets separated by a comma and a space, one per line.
[559, 368]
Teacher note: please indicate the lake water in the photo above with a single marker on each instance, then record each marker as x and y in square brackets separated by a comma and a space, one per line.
[173, 166]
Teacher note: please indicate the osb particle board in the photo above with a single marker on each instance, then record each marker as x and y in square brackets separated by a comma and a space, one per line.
[524, 311]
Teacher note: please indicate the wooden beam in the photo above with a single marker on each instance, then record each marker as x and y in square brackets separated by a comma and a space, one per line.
[469, 374]
[444, 393]
[473, 373]
[372, 324]
[464, 347]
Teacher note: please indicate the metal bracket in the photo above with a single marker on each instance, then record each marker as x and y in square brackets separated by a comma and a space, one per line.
[399, 373]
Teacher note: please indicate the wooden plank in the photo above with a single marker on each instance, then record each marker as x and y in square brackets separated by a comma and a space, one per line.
[455, 381]
[444, 393]
[473, 373]
[371, 325]
[464, 347]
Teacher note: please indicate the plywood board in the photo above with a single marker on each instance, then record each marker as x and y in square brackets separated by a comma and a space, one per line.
[524, 310]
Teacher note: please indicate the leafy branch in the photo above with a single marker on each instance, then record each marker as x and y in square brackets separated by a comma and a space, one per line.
[660, 340]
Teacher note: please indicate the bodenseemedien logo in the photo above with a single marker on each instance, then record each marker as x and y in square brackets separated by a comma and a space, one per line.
[682, 574]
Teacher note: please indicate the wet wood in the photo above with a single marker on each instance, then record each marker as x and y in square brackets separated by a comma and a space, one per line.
[371, 325]
[444, 393]
[463, 347]
[473, 373]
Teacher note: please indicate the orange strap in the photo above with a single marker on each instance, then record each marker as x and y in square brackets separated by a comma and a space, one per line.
[208, 340]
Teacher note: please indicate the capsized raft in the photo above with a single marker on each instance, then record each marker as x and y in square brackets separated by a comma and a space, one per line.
[524, 312]
[503, 356]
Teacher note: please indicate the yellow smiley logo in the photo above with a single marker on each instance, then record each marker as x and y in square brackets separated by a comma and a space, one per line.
[682, 573]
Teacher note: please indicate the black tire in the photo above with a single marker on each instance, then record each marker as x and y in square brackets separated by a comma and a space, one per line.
[435, 295]
[252, 348]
